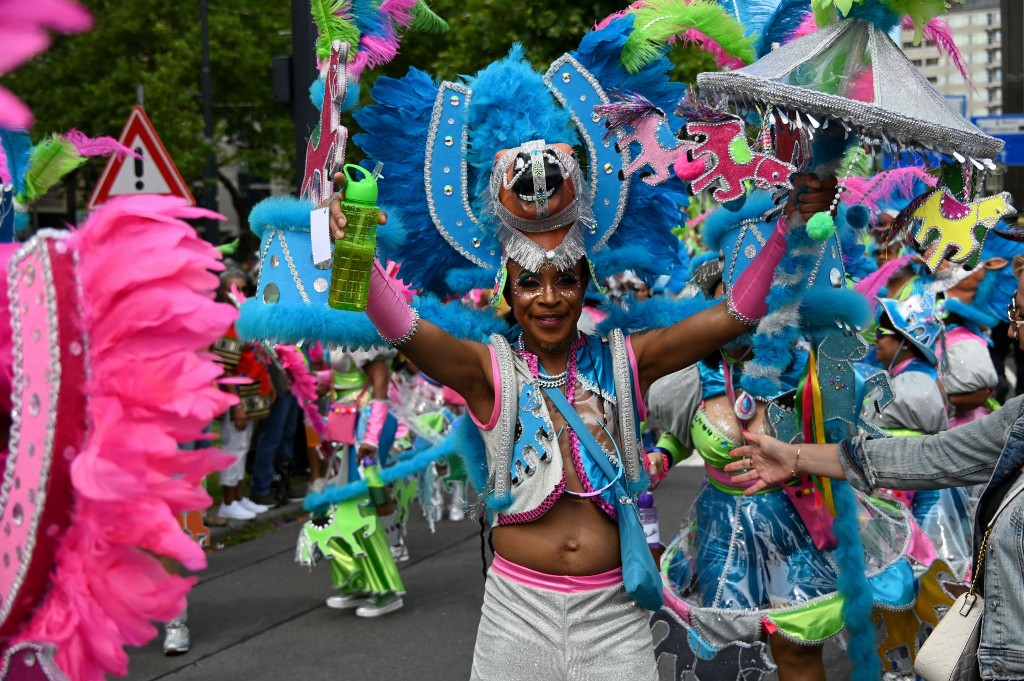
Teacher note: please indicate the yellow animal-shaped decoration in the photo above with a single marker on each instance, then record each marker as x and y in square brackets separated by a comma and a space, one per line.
[956, 229]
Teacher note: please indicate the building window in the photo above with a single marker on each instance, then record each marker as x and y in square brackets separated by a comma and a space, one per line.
[931, 61]
[995, 93]
[995, 37]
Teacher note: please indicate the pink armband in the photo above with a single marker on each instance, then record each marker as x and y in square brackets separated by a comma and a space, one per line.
[387, 308]
[375, 422]
[748, 298]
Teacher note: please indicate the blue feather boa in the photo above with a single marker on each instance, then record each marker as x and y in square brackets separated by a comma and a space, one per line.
[463, 440]
[853, 585]
[396, 131]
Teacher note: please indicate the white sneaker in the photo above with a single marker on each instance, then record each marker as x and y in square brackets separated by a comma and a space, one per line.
[251, 506]
[381, 606]
[400, 553]
[456, 514]
[351, 601]
[176, 638]
[235, 511]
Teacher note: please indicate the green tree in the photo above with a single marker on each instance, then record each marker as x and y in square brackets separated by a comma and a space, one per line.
[90, 82]
[484, 30]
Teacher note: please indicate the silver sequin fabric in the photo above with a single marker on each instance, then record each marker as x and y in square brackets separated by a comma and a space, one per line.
[532, 634]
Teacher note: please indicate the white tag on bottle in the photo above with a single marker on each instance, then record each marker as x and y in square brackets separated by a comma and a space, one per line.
[320, 236]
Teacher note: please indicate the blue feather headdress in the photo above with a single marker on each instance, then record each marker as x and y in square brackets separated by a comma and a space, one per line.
[448, 134]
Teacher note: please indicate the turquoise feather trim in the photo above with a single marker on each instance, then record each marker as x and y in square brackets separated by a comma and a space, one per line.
[280, 212]
[262, 322]
[852, 583]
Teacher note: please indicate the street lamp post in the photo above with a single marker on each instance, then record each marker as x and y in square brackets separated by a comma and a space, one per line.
[211, 228]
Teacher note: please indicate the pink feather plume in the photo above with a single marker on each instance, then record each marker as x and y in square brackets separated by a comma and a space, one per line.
[377, 50]
[874, 191]
[304, 385]
[617, 15]
[806, 27]
[870, 285]
[938, 33]
[722, 58]
[24, 33]
[150, 316]
[98, 146]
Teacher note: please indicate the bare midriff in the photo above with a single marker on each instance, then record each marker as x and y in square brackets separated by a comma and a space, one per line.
[574, 537]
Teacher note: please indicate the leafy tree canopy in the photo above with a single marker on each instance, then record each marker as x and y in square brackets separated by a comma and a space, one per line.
[90, 81]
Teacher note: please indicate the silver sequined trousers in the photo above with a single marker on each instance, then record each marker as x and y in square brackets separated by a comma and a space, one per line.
[540, 635]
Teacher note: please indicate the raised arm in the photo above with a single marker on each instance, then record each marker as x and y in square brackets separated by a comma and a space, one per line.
[463, 366]
[663, 351]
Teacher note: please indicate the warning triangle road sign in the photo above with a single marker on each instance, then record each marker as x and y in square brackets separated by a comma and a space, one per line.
[153, 173]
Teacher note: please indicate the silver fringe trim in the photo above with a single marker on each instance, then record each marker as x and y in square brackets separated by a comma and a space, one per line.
[524, 251]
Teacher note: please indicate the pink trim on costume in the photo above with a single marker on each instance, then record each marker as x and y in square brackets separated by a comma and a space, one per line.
[535, 514]
[965, 417]
[566, 584]
[921, 547]
[496, 379]
[959, 334]
[724, 478]
[638, 397]
[676, 604]
[899, 368]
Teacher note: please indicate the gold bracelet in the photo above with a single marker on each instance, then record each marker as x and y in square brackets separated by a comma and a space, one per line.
[796, 461]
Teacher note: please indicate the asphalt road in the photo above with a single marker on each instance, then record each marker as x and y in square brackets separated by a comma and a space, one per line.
[256, 615]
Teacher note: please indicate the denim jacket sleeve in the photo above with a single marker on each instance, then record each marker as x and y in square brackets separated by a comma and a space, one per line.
[962, 456]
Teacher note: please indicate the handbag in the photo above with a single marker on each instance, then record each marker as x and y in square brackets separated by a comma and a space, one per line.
[640, 574]
[341, 423]
[951, 652]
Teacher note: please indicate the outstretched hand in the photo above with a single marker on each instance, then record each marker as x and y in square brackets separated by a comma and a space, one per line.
[338, 220]
[765, 461]
[810, 195]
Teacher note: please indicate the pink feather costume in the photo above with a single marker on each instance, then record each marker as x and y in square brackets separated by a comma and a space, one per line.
[108, 372]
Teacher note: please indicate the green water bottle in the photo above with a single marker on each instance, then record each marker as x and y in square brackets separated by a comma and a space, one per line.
[353, 255]
[374, 485]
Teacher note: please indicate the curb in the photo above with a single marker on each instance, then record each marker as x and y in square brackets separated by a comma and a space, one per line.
[220, 533]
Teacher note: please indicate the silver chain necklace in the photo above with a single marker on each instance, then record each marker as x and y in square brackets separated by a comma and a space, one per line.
[545, 380]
